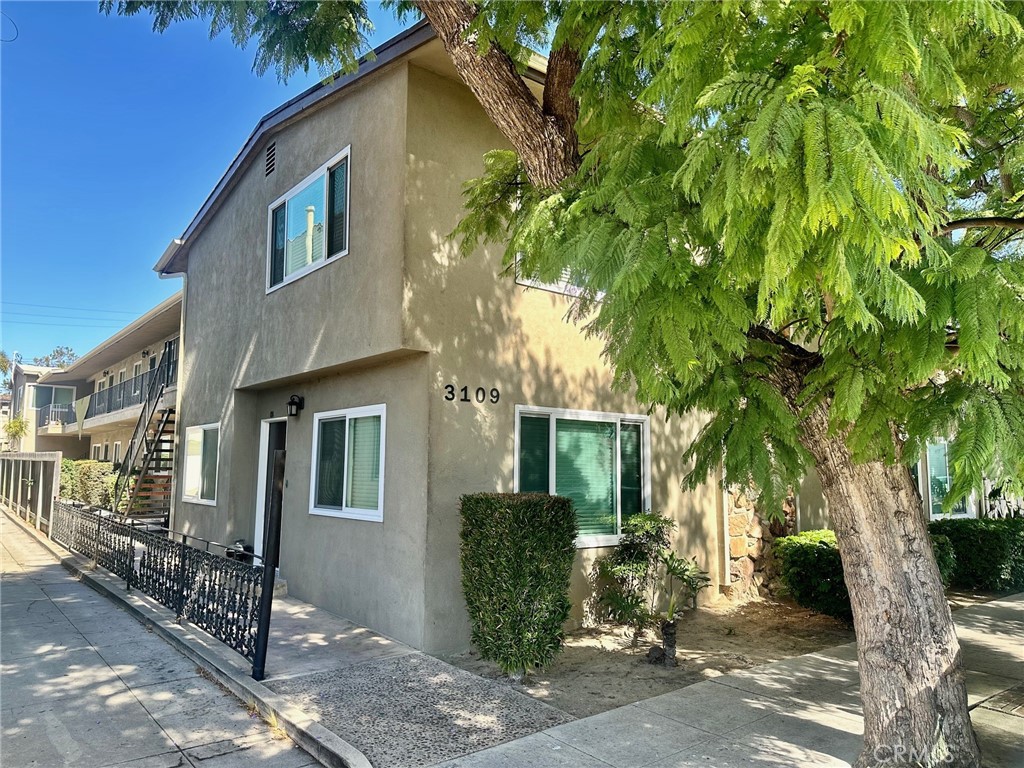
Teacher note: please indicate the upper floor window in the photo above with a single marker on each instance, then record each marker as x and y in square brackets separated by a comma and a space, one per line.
[309, 224]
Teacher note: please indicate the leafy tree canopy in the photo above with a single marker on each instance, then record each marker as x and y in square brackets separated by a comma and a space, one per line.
[60, 357]
[778, 206]
[811, 204]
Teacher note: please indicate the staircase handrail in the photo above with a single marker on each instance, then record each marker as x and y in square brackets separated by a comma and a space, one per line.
[138, 441]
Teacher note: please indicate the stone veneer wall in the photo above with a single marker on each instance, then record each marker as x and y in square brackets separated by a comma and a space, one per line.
[752, 566]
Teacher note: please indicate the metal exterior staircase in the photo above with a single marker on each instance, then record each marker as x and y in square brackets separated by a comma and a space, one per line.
[150, 454]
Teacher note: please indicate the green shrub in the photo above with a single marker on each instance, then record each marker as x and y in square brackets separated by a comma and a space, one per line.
[92, 486]
[813, 572]
[989, 552]
[945, 556]
[517, 555]
[68, 478]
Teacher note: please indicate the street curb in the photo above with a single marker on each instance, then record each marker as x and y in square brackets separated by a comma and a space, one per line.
[324, 745]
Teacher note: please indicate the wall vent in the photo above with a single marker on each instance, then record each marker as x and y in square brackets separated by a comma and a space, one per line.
[271, 158]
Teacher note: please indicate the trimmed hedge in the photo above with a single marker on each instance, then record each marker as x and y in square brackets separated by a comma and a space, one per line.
[87, 481]
[813, 572]
[971, 553]
[989, 552]
[517, 555]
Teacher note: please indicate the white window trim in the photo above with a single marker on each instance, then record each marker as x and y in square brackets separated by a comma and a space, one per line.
[97, 452]
[591, 541]
[329, 258]
[196, 499]
[349, 513]
[116, 456]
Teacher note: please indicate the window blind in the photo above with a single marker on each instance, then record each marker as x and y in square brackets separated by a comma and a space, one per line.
[330, 463]
[585, 472]
[208, 491]
[363, 475]
[534, 455]
[631, 484]
[337, 206]
[277, 252]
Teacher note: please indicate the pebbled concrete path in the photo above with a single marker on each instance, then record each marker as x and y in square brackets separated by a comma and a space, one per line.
[83, 684]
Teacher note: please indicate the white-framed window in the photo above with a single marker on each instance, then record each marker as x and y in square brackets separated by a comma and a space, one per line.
[202, 454]
[97, 452]
[136, 374]
[106, 451]
[101, 384]
[563, 285]
[52, 394]
[934, 476]
[599, 460]
[309, 225]
[347, 474]
[117, 452]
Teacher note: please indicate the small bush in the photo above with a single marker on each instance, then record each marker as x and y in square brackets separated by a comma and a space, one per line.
[813, 572]
[945, 556]
[517, 555]
[92, 485]
[68, 478]
[989, 553]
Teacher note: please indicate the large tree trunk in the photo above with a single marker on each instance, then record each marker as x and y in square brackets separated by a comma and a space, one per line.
[912, 681]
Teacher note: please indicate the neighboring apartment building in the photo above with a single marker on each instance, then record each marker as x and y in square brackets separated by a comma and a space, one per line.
[92, 408]
[5, 416]
[319, 272]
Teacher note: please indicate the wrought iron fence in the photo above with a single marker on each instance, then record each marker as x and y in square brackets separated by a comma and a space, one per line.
[218, 594]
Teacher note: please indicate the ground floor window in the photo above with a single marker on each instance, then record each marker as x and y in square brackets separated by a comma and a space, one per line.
[96, 452]
[202, 449]
[599, 460]
[934, 476]
[347, 478]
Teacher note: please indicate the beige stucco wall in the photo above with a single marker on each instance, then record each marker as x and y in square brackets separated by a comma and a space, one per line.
[332, 336]
[393, 322]
[484, 330]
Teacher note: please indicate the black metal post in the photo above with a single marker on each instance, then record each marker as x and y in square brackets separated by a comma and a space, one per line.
[182, 554]
[270, 558]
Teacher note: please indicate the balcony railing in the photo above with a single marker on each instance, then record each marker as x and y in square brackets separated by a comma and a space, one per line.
[55, 413]
[128, 393]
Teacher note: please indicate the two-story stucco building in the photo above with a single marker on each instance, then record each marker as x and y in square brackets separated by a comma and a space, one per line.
[319, 269]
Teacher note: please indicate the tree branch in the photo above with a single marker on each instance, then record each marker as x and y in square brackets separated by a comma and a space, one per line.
[998, 222]
[547, 149]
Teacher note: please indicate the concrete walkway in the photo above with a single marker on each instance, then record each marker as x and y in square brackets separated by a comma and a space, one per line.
[84, 685]
[804, 711]
[354, 698]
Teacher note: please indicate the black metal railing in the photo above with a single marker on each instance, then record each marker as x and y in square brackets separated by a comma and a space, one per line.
[131, 391]
[55, 413]
[219, 594]
[166, 372]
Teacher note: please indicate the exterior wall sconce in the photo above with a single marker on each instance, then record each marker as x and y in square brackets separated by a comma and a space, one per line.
[106, 373]
[295, 404]
[145, 353]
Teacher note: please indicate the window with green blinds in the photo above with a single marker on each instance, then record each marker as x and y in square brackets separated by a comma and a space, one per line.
[348, 463]
[208, 489]
[606, 487]
[363, 479]
[337, 209]
[201, 447]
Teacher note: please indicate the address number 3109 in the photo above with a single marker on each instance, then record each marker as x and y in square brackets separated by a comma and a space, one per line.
[467, 395]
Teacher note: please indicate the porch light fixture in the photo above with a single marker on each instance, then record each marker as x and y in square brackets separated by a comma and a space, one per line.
[145, 353]
[296, 404]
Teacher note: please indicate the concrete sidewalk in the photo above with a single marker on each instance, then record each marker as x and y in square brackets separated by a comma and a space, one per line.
[84, 685]
[351, 697]
[803, 711]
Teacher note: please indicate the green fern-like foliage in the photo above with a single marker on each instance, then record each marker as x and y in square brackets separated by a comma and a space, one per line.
[769, 187]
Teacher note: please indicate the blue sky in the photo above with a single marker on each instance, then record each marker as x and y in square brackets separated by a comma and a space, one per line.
[111, 137]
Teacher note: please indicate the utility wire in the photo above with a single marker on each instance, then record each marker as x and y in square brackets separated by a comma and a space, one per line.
[48, 316]
[62, 325]
[77, 309]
